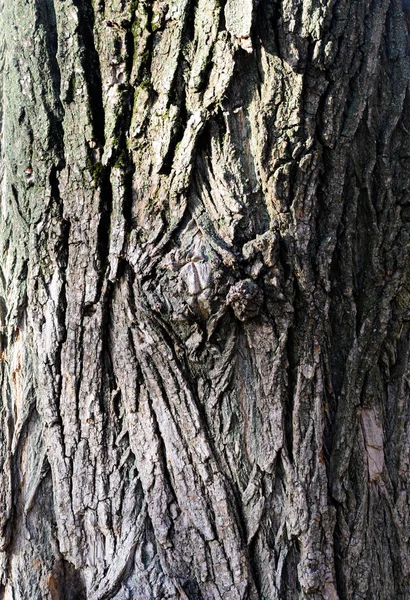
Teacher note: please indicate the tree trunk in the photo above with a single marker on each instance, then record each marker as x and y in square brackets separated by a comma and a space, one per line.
[205, 299]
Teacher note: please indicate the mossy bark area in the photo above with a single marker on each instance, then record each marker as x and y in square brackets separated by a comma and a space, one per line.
[204, 300]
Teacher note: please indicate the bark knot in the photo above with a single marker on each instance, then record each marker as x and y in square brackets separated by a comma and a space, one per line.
[246, 299]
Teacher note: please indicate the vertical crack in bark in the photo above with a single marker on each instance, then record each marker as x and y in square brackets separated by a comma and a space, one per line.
[90, 62]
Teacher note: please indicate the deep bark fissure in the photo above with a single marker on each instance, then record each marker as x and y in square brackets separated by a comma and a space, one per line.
[91, 65]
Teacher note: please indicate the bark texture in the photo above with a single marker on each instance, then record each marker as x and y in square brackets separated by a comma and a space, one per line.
[204, 300]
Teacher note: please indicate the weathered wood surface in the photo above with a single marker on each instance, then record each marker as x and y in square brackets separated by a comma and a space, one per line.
[204, 300]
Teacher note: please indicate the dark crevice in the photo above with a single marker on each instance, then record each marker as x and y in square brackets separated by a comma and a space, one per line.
[61, 247]
[72, 584]
[192, 590]
[267, 24]
[290, 586]
[205, 75]
[70, 94]
[104, 229]
[291, 345]
[143, 76]
[177, 135]
[46, 17]
[130, 44]
[101, 6]
[222, 24]
[47, 22]
[90, 62]
[178, 93]
[128, 197]
[121, 157]
[105, 359]
[123, 115]
[22, 115]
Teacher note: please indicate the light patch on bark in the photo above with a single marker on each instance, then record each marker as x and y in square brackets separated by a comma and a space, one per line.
[373, 438]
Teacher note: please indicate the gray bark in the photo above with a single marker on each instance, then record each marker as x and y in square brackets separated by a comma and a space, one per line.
[204, 299]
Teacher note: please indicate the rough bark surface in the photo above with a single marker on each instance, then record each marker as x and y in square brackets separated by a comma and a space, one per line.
[204, 299]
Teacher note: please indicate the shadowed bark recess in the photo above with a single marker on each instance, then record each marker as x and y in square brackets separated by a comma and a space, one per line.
[204, 300]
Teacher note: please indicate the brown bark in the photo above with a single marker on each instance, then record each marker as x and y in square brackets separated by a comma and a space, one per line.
[204, 299]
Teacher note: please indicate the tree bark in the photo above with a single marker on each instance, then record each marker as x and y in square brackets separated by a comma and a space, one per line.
[204, 299]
